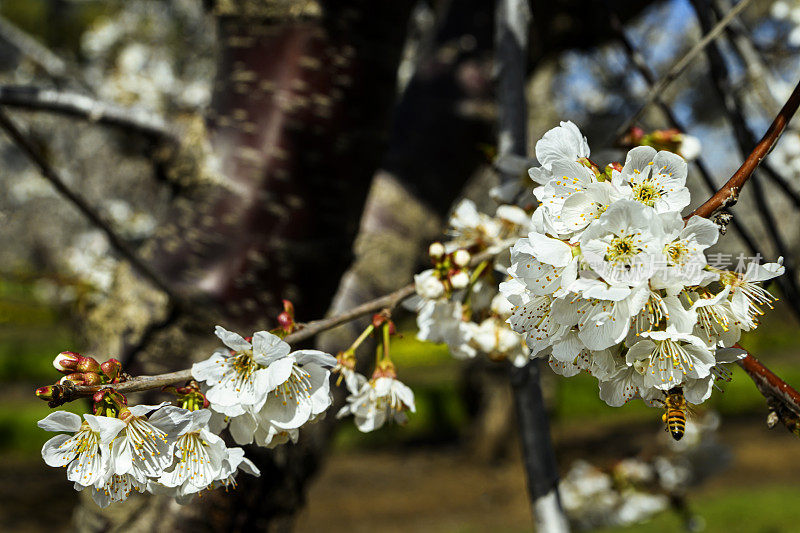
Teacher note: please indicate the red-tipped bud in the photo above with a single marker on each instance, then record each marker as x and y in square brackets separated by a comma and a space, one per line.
[48, 393]
[66, 362]
[92, 378]
[111, 369]
[285, 321]
[87, 364]
[76, 378]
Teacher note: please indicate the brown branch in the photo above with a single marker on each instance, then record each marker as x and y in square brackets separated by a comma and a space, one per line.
[49, 173]
[782, 399]
[87, 108]
[306, 331]
[728, 194]
[679, 66]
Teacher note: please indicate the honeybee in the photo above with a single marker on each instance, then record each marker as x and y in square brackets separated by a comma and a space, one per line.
[675, 412]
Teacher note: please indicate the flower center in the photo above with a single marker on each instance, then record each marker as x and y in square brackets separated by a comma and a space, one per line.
[622, 249]
[646, 193]
[243, 364]
[676, 252]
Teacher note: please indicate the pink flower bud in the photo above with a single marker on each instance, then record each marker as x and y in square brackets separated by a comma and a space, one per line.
[286, 322]
[111, 368]
[66, 362]
[87, 364]
[92, 378]
[47, 393]
[76, 378]
[288, 307]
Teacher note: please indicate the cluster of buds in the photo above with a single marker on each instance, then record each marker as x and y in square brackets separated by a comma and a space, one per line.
[450, 272]
[672, 140]
[83, 370]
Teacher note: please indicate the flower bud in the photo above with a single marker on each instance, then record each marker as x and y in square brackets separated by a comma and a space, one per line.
[92, 378]
[436, 250]
[459, 280]
[66, 362]
[285, 321]
[48, 393]
[461, 258]
[501, 306]
[111, 368]
[87, 364]
[76, 378]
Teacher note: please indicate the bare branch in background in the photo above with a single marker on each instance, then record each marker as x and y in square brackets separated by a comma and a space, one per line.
[87, 108]
[745, 139]
[639, 63]
[50, 174]
[30, 47]
[679, 66]
[729, 192]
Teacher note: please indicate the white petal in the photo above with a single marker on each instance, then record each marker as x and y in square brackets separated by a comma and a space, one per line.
[61, 421]
[106, 427]
[232, 340]
[54, 456]
[268, 348]
[317, 357]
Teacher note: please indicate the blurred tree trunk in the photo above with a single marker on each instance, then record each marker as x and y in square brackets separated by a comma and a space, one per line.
[298, 126]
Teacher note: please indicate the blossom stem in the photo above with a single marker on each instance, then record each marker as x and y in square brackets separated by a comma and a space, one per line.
[386, 333]
[364, 334]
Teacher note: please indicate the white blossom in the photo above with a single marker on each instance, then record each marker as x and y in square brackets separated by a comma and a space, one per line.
[379, 400]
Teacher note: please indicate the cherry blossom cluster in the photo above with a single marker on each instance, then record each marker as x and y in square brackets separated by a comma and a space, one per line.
[261, 390]
[256, 387]
[458, 303]
[611, 280]
[162, 449]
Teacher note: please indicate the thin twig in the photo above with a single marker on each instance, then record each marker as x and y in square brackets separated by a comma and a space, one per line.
[49, 173]
[679, 66]
[306, 331]
[745, 139]
[88, 108]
